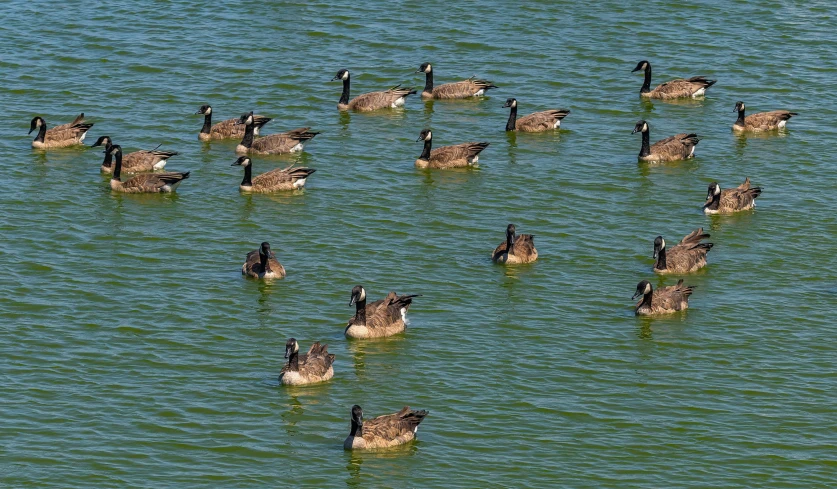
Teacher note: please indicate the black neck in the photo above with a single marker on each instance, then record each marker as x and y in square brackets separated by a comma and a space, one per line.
[428, 82]
[207, 123]
[108, 158]
[247, 140]
[357, 428]
[512, 118]
[264, 258]
[646, 85]
[740, 120]
[117, 168]
[41, 133]
[646, 144]
[646, 300]
[293, 361]
[360, 312]
[509, 241]
[425, 153]
[344, 97]
[661, 260]
[248, 175]
[716, 202]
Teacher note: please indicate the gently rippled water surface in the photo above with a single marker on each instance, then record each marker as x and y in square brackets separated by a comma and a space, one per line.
[134, 354]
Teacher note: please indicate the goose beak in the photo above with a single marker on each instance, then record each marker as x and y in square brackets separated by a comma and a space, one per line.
[634, 131]
[636, 294]
[354, 299]
[634, 70]
[655, 254]
[198, 112]
[419, 139]
[287, 352]
[335, 78]
[30, 131]
[235, 163]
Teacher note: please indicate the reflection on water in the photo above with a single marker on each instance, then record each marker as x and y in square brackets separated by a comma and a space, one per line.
[376, 347]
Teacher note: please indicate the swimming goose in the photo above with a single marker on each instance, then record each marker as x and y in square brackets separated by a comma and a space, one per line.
[262, 263]
[58, 137]
[693, 87]
[730, 200]
[392, 98]
[227, 129]
[545, 120]
[515, 249]
[472, 87]
[678, 147]
[273, 144]
[289, 178]
[381, 318]
[455, 156]
[143, 183]
[136, 162]
[686, 256]
[662, 301]
[308, 368]
[384, 431]
[762, 121]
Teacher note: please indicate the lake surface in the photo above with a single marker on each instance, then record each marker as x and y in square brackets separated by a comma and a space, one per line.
[135, 355]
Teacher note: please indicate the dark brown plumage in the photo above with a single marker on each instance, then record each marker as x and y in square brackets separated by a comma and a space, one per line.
[516, 249]
[662, 301]
[730, 200]
[384, 431]
[674, 148]
[308, 368]
[262, 263]
[228, 129]
[392, 98]
[273, 144]
[454, 156]
[762, 121]
[545, 120]
[686, 256]
[472, 87]
[136, 162]
[695, 86]
[379, 319]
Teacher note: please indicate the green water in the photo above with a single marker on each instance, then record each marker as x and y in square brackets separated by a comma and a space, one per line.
[133, 354]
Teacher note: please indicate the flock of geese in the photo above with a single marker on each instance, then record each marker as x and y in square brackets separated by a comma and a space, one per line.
[387, 316]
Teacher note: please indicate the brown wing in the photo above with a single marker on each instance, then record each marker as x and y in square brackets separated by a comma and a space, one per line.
[672, 297]
[379, 100]
[457, 152]
[144, 160]
[391, 426]
[693, 238]
[540, 121]
[682, 88]
[767, 120]
[228, 129]
[689, 254]
[677, 146]
[741, 197]
[463, 89]
[524, 246]
[282, 142]
[72, 132]
[388, 311]
[500, 250]
[316, 362]
[77, 120]
[153, 182]
[281, 178]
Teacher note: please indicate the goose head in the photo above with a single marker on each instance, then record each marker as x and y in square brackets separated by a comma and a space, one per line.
[713, 190]
[641, 66]
[242, 161]
[659, 245]
[357, 415]
[36, 123]
[358, 295]
[291, 347]
[341, 75]
[103, 141]
[425, 135]
[425, 68]
[205, 110]
[640, 126]
[246, 119]
[739, 106]
[510, 229]
[512, 102]
[643, 288]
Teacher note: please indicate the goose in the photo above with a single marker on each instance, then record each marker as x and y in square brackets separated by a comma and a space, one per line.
[136, 162]
[545, 120]
[662, 301]
[381, 318]
[308, 368]
[472, 87]
[289, 178]
[262, 263]
[384, 431]
[392, 98]
[516, 249]
[727, 201]
[686, 256]
[762, 121]
[273, 144]
[61, 136]
[227, 129]
[143, 183]
[695, 86]
[456, 156]
[674, 148]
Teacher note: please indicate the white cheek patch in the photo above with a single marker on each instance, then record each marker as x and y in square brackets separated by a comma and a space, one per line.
[362, 294]
[345, 76]
[648, 289]
[645, 127]
[663, 244]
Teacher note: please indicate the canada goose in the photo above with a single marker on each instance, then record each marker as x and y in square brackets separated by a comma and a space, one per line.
[381, 318]
[228, 129]
[308, 368]
[262, 263]
[136, 162]
[143, 183]
[289, 178]
[545, 120]
[384, 431]
[680, 88]
[392, 98]
[662, 301]
[456, 156]
[686, 256]
[58, 137]
[762, 121]
[516, 249]
[678, 147]
[740, 198]
[472, 87]
[273, 144]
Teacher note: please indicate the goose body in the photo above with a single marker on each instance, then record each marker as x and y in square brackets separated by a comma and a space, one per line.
[686, 256]
[674, 148]
[228, 129]
[693, 87]
[62, 136]
[727, 201]
[384, 431]
[273, 144]
[379, 319]
[454, 156]
[136, 162]
[308, 368]
[472, 87]
[516, 249]
[262, 263]
[144, 183]
[275, 180]
[387, 99]
[545, 120]
[762, 121]
[665, 300]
